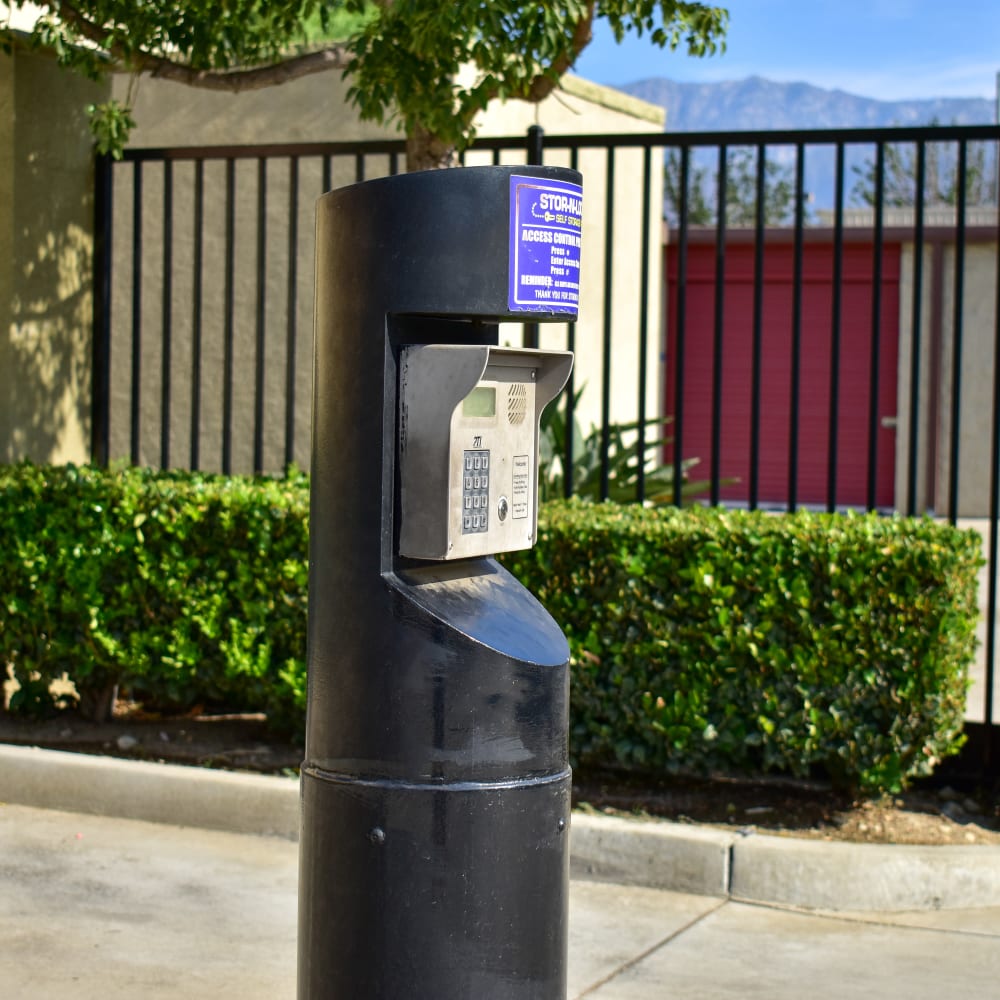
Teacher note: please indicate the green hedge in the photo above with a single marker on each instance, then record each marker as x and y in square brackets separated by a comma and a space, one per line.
[721, 640]
[701, 639]
[184, 588]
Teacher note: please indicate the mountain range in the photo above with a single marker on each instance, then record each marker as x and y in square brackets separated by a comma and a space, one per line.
[757, 103]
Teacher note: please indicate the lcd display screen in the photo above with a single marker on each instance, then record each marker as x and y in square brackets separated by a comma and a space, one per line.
[481, 402]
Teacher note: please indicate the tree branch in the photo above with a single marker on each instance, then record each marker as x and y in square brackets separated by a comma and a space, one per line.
[253, 78]
[544, 84]
[331, 57]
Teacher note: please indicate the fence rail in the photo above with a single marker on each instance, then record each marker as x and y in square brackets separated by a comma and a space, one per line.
[831, 333]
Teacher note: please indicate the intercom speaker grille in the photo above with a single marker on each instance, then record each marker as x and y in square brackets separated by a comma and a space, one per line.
[517, 402]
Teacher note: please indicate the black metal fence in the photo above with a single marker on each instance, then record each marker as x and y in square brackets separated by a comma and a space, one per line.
[830, 334]
[203, 298]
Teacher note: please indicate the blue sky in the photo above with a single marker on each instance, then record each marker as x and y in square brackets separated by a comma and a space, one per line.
[888, 49]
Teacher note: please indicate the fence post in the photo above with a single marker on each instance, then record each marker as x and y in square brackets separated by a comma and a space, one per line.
[100, 378]
[536, 144]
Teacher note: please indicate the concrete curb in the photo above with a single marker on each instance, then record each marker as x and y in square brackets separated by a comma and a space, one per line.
[824, 875]
[659, 855]
[811, 874]
[159, 793]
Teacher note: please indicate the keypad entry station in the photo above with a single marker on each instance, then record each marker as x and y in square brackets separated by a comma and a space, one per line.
[468, 446]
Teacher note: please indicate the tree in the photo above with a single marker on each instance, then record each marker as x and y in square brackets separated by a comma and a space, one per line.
[941, 181]
[427, 65]
[695, 196]
[741, 190]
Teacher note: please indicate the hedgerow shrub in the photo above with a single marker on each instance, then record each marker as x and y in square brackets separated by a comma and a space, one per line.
[183, 588]
[733, 640]
[701, 639]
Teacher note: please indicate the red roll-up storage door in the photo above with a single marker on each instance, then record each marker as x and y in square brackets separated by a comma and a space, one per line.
[814, 414]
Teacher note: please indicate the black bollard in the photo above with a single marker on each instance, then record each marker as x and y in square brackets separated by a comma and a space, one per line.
[436, 788]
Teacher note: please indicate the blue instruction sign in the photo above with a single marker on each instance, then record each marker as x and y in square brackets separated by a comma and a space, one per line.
[546, 221]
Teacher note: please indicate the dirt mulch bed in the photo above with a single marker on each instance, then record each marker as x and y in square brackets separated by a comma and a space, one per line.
[927, 815]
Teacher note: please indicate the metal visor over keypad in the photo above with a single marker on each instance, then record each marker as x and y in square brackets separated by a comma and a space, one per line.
[468, 453]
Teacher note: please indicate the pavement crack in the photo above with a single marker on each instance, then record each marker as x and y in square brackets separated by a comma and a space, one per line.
[873, 919]
[642, 956]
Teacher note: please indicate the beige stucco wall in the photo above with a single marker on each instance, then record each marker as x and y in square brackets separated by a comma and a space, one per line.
[46, 183]
[311, 109]
[46, 244]
[923, 498]
[212, 315]
[937, 365]
[976, 380]
[314, 109]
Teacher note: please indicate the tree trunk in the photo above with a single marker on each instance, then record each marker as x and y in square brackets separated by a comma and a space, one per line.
[97, 703]
[425, 151]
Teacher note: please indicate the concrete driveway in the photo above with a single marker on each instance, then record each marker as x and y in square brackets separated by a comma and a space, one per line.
[103, 908]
